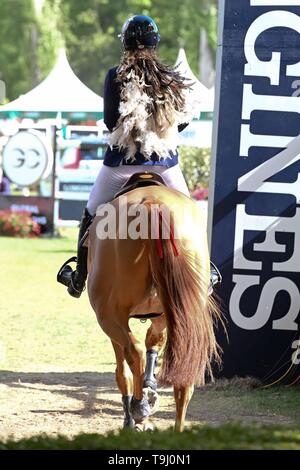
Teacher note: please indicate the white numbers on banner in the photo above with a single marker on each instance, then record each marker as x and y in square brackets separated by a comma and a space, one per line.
[296, 354]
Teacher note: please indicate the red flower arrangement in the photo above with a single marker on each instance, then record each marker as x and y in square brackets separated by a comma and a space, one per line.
[18, 224]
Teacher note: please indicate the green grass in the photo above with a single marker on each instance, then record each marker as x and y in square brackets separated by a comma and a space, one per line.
[229, 436]
[235, 400]
[42, 327]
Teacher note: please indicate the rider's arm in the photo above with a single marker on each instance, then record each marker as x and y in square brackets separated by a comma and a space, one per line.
[111, 99]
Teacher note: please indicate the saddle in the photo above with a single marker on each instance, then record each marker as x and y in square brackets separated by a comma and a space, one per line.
[139, 180]
[142, 179]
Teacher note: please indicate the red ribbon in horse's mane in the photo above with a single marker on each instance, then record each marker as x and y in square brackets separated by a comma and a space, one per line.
[161, 220]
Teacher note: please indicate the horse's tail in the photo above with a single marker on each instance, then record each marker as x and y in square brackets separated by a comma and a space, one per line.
[190, 313]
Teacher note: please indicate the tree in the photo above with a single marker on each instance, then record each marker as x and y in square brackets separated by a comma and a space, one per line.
[90, 29]
[30, 39]
[29, 42]
[50, 38]
[17, 21]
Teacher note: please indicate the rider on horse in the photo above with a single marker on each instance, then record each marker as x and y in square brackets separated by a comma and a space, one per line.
[145, 105]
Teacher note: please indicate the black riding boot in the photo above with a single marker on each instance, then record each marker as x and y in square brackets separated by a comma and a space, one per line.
[75, 280]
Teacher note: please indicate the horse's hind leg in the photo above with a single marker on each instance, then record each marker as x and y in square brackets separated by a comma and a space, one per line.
[182, 396]
[120, 333]
[124, 382]
[155, 338]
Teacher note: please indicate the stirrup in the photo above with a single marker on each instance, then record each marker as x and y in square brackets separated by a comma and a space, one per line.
[59, 274]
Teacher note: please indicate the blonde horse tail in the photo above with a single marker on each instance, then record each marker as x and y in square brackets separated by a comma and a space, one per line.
[191, 345]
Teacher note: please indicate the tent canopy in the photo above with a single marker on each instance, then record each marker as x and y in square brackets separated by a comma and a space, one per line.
[203, 94]
[60, 93]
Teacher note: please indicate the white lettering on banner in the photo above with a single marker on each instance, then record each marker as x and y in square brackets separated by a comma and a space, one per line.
[273, 3]
[271, 69]
[265, 303]
[249, 140]
[254, 102]
[270, 226]
[25, 207]
[257, 181]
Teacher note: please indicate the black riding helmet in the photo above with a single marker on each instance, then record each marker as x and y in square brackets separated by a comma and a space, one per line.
[138, 32]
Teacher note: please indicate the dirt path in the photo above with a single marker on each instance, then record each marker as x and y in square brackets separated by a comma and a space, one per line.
[71, 403]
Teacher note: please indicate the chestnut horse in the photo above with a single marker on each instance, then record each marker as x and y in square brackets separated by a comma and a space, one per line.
[164, 279]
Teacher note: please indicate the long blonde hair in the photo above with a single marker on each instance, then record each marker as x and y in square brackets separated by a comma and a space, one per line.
[162, 83]
[152, 105]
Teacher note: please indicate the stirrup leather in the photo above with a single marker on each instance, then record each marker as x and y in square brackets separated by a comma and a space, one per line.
[75, 288]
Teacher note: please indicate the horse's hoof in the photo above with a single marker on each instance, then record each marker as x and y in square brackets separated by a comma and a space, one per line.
[148, 426]
[141, 427]
[128, 423]
[139, 409]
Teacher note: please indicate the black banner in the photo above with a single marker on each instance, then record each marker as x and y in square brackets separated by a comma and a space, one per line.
[255, 214]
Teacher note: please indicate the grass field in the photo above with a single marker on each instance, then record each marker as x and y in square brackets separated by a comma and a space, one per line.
[41, 325]
[57, 366]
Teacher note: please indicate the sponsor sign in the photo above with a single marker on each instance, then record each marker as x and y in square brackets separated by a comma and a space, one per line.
[27, 157]
[255, 189]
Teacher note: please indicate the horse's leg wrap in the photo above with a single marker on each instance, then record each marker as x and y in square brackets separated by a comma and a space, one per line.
[128, 420]
[140, 409]
[149, 377]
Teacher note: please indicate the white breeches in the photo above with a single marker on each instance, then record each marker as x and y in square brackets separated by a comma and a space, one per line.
[110, 180]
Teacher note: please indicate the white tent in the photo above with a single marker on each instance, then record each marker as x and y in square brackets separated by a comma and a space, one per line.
[199, 132]
[204, 95]
[60, 92]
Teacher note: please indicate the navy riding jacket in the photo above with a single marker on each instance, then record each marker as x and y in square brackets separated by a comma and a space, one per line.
[114, 156]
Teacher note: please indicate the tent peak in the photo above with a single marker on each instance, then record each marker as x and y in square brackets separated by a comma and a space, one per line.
[61, 91]
[206, 96]
[184, 68]
[62, 55]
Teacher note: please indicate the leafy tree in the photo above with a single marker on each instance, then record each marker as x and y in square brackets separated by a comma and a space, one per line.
[17, 22]
[91, 28]
[50, 38]
[180, 24]
[29, 42]
[91, 33]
